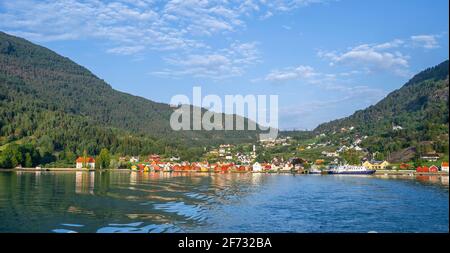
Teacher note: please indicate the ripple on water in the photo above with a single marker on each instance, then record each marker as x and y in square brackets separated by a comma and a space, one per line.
[126, 228]
[62, 230]
[191, 212]
[72, 225]
[134, 224]
[198, 196]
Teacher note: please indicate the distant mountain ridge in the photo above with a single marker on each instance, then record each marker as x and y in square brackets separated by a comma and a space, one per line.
[416, 115]
[43, 93]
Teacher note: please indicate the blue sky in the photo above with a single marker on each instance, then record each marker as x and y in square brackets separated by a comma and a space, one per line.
[324, 58]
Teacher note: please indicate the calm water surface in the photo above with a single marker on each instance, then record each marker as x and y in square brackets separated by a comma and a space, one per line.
[125, 201]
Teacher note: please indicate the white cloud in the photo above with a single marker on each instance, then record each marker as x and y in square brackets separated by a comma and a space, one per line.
[300, 72]
[219, 64]
[372, 57]
[425, 41]
[289, 5]
[126, 50]
[133, 21]
[128, 27]
[341, 84]
[391, 44]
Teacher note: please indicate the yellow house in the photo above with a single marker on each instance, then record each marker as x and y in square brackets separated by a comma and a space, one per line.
[376, 165]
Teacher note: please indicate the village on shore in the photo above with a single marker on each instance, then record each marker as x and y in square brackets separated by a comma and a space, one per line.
[228, 158]
[154, 163]
[282, 155]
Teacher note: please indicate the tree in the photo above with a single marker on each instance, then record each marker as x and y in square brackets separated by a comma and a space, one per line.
[263, 157]
[98, 162]
[28, 161]
[379, 156]
[84, 158]
[104, 158]
[352, 156]
[45, 145]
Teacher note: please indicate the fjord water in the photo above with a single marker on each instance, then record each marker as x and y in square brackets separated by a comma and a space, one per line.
[182, 202]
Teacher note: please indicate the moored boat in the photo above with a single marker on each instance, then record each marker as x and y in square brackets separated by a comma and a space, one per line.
[351, 170]
[315, 171]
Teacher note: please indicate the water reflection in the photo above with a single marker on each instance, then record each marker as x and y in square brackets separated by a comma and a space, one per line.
[137, 202]
[427, 179]
[84, 182]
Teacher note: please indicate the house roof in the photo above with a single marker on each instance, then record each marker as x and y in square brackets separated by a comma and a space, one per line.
[87, 160]
[376, 162]
[431, 155]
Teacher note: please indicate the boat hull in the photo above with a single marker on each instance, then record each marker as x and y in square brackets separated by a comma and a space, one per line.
[368, 172]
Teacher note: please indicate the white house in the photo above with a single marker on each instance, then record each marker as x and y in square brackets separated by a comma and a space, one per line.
[257, 167]
[444, 166]
[134, 159]
[89, 163]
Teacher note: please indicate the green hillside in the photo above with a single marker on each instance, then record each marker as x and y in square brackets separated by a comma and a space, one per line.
[414, 117]
[57, 106]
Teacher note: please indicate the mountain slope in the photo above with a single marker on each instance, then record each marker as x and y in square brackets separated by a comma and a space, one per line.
[420, 108]
[46, 96]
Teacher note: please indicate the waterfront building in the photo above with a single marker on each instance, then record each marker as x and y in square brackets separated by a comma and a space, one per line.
[376, 165]
[423, 169]
[286, 167]
[433, 169]
[257, 167]
[87, 162]
[444, 166]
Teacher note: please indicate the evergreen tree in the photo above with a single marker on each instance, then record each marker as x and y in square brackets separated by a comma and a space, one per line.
[28, 160]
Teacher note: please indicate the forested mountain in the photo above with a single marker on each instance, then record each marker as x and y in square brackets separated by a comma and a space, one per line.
[415, 116]
[56, 105]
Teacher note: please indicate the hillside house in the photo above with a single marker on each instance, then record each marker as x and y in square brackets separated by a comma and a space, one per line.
[134, 159]
[431, 157]
[330, 154]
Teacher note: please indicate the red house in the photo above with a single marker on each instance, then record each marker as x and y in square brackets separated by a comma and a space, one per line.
[225, 168]
[433, 169]
[423, 169]
[404, 166]
[241, 168]
[156, 168]
[176, 168]
[267, 167]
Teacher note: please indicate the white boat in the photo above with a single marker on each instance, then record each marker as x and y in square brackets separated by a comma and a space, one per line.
[351, 170]
[315, 171]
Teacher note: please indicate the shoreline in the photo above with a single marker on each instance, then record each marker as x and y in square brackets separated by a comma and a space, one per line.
[378, 172]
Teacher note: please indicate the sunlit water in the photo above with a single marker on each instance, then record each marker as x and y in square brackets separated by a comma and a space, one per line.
[64, 202]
